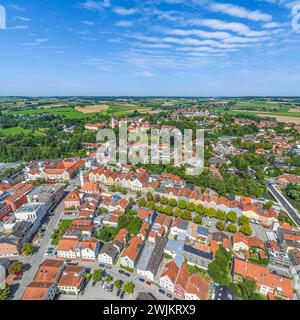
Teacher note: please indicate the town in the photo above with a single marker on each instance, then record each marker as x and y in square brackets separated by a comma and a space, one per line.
[75, 227]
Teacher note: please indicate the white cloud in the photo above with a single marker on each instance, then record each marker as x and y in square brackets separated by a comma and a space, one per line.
[95, 5]
[88, 23]
[199, 33]
[124, 23]
[22, 18]
[124, 11]
[239, 12]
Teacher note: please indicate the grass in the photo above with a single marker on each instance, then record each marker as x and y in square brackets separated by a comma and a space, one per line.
[18, 130]
[59, 233]
[67, 112]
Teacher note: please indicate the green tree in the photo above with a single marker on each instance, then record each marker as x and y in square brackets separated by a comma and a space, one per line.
[108, 278]
[4, 293]
[128, 287]
[191, 206]
[197, 219]
[164, 200]
[134, 226]
[141, 202]
[150, 196]
[231, 216]
[15, 267]
[182, 204]
[98, 275]
[243, 220]
[246, 230]
[173, 203]
[186, 215]
[118, 284]
[248, 290]
[268, 205]
[221, 225]
[232, 228]
[27, 249]
[219, 269]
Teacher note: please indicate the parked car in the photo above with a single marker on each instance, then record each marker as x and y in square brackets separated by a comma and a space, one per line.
[121, 271]
[122, 295]
[127, 274]
[101, 265]
[111, 288]
[141, 279]
[162, 291]
[169, 295]
[148, 283]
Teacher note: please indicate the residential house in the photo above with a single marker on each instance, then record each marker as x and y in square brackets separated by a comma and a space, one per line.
[71, 280]
[130, 255]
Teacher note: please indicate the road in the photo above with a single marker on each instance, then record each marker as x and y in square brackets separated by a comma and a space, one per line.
[97, 293]
[38, 257]
[292, 212]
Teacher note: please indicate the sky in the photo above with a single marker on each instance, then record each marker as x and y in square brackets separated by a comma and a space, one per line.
[150, 47]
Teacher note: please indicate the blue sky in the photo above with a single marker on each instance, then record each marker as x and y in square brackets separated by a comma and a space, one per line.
[155, 47]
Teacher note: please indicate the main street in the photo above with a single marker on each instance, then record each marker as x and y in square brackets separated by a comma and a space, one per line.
[292, 212]
[38, 257]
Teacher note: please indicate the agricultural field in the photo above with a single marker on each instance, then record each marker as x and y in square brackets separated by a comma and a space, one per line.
[17, 130]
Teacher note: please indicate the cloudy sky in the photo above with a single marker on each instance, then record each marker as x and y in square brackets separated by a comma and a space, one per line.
[149, 47]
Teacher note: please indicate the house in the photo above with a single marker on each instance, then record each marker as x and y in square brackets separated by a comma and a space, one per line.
[144, 231]
[108, 253]
[146, 215]
[240, 242]
[122, 237]
[44, 285]
[130, 254]
[71, 280]
[90, 188]
[162, 220]
[150, 259]
[266, 281]
[169, 275]
[73, 249]
[288, 179]
[182, 281]
[179, 226]
[4, 264]
[197, 288]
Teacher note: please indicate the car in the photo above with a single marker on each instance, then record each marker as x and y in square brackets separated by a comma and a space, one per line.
[162, 291]
[17, 278]
[93, 284]
[119, 292]
[169, 295]
[122, 295]
[121, 271]
[20, 275]
[127, 274]
[108, 267]
[103, 285]
[175, 298]
[101, 265]
[111, 288]
[141, 279]
[148, 283]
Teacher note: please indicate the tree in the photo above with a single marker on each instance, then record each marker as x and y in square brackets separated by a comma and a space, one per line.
[150, 196]
[199, 208]
[134, 226]
[27, 249]
[128, 287]
[219, 269]
[173, 203]
[246, 230]
[164, 200]
[186, 215]
[268, 205]
[191, 206]
[118, 284]
[220, 225]
[178, 212]
[98, 275]
[141, 202]
[198, 219]
[243, 220]
[232, 228]
[231, 216]
[15, 267]
[182, 204]
[4, 293]
[131, 201]
[108, 278]
[248, 290]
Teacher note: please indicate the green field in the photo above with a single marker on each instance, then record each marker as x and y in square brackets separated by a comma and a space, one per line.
[17, 130]
[67, 112]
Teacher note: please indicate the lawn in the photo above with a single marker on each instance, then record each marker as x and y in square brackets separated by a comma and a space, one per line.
[67, 112]
[18, 130]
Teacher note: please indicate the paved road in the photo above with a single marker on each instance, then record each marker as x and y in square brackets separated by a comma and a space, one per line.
[292, 212]
[38, 257]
